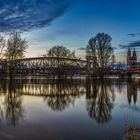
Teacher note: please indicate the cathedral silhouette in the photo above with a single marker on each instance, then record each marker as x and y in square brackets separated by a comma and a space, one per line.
[132, 59]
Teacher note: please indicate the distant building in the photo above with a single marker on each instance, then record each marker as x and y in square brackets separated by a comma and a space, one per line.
[132, 59]
[120, 66]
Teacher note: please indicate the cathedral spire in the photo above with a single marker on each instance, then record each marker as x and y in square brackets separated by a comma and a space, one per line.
[129, 52]
[134, 53]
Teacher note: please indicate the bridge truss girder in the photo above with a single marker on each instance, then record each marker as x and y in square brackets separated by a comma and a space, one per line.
[49, 65]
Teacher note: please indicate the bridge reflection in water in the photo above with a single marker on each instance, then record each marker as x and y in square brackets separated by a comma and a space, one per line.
[60, 94]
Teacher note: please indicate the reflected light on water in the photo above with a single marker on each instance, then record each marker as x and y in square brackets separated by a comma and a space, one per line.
[30, 109]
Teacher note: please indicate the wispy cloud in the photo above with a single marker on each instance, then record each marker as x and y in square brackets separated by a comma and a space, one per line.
[24, 15]
[133, 34]
[135, 44]
[82, 49]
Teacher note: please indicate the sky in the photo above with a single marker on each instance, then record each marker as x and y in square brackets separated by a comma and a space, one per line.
[71, 23]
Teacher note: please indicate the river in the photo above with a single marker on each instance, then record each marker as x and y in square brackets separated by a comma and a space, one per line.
[42, 109]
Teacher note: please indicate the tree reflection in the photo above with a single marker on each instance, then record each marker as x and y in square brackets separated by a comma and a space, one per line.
[132, 92]
[99, 100]
[63, 94]
[13, 105]
[59, 103]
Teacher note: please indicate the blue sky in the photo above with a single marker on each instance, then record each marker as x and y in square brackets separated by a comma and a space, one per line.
[72, 23]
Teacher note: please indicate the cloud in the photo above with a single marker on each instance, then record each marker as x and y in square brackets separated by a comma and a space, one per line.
[115, 48]
[82, 49]
[133, 34]
[135, 44]
[24, 15]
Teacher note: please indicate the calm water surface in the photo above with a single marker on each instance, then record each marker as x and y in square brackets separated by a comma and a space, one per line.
[42, 109]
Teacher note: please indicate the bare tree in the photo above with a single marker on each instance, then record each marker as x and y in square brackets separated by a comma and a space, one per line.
[15, 49]
[101, 50]
[64, 67]
[2, 45]
[61, 51]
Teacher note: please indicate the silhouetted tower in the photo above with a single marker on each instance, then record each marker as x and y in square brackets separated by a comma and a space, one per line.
[131, 58]
[128, 57]
[129, 52]
[134, 57]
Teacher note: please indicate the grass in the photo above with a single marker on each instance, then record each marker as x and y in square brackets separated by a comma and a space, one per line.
[132, 133]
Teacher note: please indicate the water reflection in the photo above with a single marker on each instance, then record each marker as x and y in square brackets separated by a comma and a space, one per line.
[62, 94]
[99, 100]
[59, 95]
[13, 105]
[132, 92]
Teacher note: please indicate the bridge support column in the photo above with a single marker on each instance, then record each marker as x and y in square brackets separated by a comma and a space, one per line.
[129, 75]
[88, 67]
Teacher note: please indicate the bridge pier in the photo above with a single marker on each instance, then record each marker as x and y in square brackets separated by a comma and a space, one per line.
[88, 74]
[129, 75]
[121, 75]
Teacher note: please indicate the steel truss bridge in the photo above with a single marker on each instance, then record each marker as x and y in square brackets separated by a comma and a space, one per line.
[57, 66]
[47, 65]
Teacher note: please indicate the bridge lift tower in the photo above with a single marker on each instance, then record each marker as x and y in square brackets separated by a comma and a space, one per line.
[91, 61]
